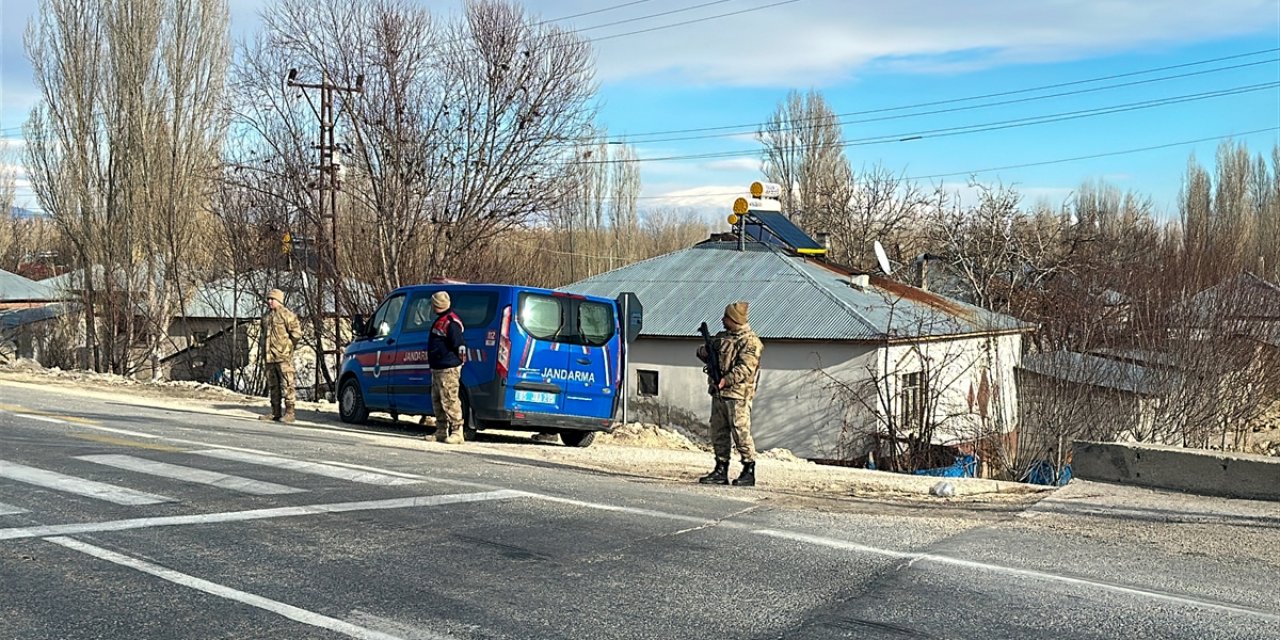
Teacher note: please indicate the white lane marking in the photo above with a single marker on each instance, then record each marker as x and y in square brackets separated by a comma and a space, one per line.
[913, 557]
[266, 604]
[31, 416]
[315, 468]
[213, 445]
[191, 474]
[8, 509]
[632, 510]
[40, 531]
[80, 486]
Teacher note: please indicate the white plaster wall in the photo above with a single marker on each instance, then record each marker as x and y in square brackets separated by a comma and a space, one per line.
[794, 405]
[956, 370]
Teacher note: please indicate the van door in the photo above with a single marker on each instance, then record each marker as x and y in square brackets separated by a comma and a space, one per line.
[543, 364]
[476, 309]
[411, 374]
[593, 359]
[376, 353]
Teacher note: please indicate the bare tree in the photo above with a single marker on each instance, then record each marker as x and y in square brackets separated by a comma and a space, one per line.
[804, 152]
[119, 150]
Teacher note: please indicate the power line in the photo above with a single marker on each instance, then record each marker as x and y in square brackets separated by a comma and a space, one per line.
[1091, 156]
[617, 35]
[1104, 154]
[999, 94]
[694, 21]
[981, 128]
[971, 107]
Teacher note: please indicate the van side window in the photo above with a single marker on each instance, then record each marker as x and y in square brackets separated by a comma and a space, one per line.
[386, 317]
[595, 323]
[542, 316]
[420, 315]
[474, 309]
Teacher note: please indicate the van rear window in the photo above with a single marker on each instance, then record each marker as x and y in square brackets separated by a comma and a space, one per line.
[595, 323]
[541, 316]
[566, 320]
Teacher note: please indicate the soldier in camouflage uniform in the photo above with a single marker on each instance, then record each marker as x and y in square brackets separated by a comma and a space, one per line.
[280, 333]
[737, 350]
[446, 352]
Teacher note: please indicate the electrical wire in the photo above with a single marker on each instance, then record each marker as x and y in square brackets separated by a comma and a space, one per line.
[968, 107]
[980, 128]
[630, 137]
[1024, 165]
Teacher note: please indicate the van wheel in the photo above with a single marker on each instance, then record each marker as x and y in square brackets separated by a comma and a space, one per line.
[578, 438]
[351, 403]
[469, 429]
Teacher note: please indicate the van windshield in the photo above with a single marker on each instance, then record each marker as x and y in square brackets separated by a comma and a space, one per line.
[566, 320]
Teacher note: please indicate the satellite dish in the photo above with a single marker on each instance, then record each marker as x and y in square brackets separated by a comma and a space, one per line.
[882, 258]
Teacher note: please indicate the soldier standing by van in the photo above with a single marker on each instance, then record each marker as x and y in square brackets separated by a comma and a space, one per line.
[446, 352]
[280, 332]
[737, 351]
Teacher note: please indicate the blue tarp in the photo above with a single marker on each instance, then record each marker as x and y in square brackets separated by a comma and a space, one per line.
[1042, 472]
[963, 467]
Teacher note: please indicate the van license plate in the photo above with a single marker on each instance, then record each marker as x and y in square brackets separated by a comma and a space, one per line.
[540, 397]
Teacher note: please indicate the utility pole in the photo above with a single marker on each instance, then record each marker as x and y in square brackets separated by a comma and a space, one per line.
[328, 183]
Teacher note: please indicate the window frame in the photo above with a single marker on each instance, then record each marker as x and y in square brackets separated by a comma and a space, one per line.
[641, 387]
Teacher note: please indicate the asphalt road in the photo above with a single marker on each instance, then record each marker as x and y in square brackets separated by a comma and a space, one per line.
[118, 521]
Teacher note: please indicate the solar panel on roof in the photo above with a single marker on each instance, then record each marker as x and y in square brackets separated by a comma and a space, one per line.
[771, 226]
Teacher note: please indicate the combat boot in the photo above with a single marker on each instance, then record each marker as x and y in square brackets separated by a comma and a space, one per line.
[289, 417]
[748, 477]
[454, 437]
[719, 475]
[268, 417]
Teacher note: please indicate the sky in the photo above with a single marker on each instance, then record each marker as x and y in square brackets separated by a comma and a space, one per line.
[1120, 91]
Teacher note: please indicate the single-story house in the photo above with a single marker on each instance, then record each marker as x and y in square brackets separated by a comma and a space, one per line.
[216, 336]
[848, 357]
[1109, 395]
[17, 292]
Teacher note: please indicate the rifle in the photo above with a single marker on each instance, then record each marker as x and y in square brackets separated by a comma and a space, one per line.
[713, 360]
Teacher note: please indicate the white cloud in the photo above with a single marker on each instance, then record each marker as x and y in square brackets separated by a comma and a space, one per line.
[818, 42]
[721, 196]
[734, 164]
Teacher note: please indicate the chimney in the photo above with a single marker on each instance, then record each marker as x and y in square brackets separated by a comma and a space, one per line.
[922, 269]
[860, 281]
[824, 239]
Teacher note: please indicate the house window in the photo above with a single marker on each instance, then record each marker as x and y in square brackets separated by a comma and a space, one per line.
[912, 407]
[198, 338]
[646, 383]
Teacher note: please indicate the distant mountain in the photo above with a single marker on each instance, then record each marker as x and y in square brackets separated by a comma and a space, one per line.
[19, 212]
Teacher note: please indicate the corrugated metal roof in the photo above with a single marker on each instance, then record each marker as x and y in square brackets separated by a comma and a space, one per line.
[19, 317]
[791, 297]
[244, 296]
[1079, 368]
[15, 288]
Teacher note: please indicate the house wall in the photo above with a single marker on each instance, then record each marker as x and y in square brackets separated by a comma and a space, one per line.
[973, 392]
[1056, 412]
[794, 405]
[227, 352]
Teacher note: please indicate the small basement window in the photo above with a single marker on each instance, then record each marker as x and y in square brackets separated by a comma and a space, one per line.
[646, 383]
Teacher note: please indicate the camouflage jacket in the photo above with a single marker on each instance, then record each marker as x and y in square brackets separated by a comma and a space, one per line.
[281, 332]
[738, 353]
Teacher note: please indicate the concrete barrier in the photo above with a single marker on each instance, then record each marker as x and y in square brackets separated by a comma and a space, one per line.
[1212, 473]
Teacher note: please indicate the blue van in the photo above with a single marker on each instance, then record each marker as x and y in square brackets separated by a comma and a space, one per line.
[537, 360]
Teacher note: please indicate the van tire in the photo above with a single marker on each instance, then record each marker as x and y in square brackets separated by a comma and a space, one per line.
[578, 438]
[351, 407]
[469, 429]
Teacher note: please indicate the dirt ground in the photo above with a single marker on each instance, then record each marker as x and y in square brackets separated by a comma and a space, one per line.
[641, 451]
